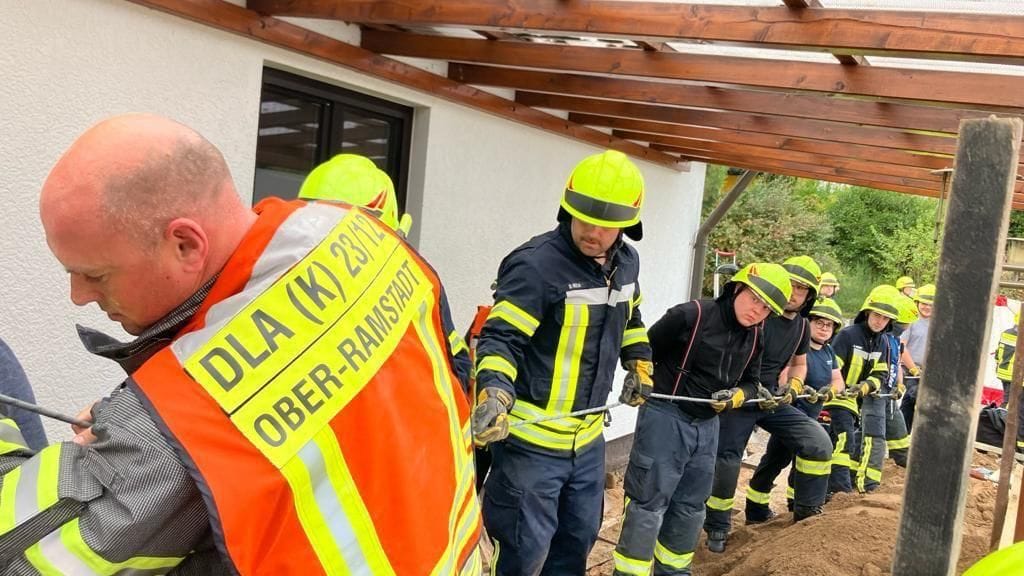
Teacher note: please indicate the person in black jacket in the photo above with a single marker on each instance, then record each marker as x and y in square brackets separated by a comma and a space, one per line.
[707, 349]
[786, 341]
[565, 312]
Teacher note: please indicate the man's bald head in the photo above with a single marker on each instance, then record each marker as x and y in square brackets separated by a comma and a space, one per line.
[141, 211]
[137, 173]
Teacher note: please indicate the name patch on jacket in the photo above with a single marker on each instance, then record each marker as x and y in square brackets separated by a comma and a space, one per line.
[289, 361]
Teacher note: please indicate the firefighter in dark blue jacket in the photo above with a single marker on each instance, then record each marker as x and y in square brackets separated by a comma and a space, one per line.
[566, 311]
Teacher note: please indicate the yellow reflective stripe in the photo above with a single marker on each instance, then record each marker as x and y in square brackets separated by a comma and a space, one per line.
[498, 364]
[874, 474]
[839, 457]
[848, 403]
[790, 493]
[898, 444]
[1006, 338]
[670, 558]
[456, 343]
[758, 497]
[634, 336]
[474, 564]
[1020, 443]
[464, 511]
[30, 488]
[813, 467]
[628, 565]
[64, 552]
[862, 468]
[842, 460]
[494, 558]
[10, 435]
[716, 503]
[515, 316]
[567, 357]
[561, 434]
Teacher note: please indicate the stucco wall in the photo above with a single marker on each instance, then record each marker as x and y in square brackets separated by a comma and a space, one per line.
[484, 185]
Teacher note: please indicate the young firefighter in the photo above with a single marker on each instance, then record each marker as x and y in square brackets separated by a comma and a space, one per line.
[565, 311]
[829, 285]
[914, 339]
[786, 341]
[702, 349]
[1005, 355]
[823, 382]
[906, 285]
[859, 349]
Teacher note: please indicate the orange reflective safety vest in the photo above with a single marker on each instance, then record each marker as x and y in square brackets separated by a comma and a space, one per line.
[313, 399]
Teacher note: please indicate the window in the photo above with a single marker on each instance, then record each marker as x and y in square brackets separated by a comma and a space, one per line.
[304, 123]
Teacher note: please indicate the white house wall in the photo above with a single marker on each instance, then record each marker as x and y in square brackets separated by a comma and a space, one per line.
[482, 184]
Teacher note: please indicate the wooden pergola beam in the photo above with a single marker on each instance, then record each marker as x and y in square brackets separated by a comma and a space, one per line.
[826, 147]
[814, 106]
[813, 129]
[997, 91]
[842, 31]
[807, 157]
[232, 18]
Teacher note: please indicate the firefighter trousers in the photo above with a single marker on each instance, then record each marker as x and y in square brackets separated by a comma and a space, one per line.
[776, 457]
[542, 511]
[795, 430]
[897, 438]
[668, 479]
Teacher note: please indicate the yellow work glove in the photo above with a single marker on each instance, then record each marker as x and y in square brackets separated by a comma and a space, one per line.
[490, 417]
[826, 394]
[767, 399]
[899, 391]
[638, 384]
[727, 399]
[864, 388]
[915, 371]
[793, 388]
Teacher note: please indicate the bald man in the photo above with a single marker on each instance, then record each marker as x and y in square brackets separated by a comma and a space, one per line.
[282, 356]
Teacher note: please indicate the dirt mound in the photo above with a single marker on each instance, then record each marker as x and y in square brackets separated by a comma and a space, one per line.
[854, 537]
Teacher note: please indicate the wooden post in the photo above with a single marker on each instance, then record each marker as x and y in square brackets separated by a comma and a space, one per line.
[972, 252]
[1009, 448]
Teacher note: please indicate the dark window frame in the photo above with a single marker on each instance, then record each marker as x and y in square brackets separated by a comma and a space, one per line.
[337, 101]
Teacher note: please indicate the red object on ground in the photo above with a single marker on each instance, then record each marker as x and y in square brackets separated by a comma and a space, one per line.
[991, 396]
[1000, 300]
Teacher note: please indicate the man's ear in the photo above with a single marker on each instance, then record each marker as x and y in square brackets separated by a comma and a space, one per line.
[190, 244]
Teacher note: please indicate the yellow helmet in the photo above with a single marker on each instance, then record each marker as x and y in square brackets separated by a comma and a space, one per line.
[769, 281]
[829, 279]
[356, 180]
[606, 190]
[905, 282]
[884, 300]
[828, 309]
[926, 294]
[908, 309]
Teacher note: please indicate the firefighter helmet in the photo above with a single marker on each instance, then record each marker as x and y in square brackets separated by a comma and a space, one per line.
[605, 190]
[769, 281]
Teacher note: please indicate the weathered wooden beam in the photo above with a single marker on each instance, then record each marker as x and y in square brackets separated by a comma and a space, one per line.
[809, 165]
[929, 537]
[846, 59]
[858, 31]
[814, 129]
[812, 106]
[636, 129]
[991, 91]
[232, 18]
[813, 157]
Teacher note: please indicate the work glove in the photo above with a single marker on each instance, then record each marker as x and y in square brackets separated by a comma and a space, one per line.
[857, 391]
[915, 371]
[791, 390]
[826, 394]
[727, 399]
[767, 399]
[638, 384]
[490, 417]
[899, 391]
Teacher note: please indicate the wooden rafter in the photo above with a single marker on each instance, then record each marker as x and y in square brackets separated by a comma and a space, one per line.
[814, 106]
[227, 16]
[990, 91]
[851, 31]
[847, 59]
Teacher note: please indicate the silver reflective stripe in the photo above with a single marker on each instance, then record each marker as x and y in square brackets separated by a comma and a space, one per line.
[26, 495]
[297, 236]
[624, 295]
[331, 509]
[52, 548]
[11, 435]
[587, 296]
